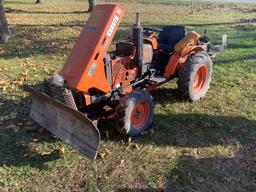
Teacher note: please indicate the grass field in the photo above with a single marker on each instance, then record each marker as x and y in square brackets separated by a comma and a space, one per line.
[203, 146]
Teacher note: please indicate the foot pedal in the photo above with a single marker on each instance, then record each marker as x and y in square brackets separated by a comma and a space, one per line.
[158, 79]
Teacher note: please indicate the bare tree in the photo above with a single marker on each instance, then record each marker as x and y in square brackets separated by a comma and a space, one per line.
[5, 33]
[92, 3]
[39, 1]
[192, 6]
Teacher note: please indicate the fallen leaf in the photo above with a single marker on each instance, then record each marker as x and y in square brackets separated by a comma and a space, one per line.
[4, 118]
[231, 97]
[19, 123]
[12, 127]
[3, 82]
[24, 94]
[152, 131]
[102, 155]
[16, 103]
[46, 69]
[20, 82]
[108, 152]
[13, 87]
[6, 69]
[61, 151]
[13, 115]
[4, 89]
[129, 140]
[137, 147]
[44, 153]
[122, 165]
[25, 78]
[29, 123]
[25, 155]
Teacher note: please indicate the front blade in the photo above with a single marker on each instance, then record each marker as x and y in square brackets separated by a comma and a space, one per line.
[71, 126]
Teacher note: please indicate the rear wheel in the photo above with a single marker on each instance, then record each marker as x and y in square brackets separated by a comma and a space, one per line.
[195, 76]
[135, 113]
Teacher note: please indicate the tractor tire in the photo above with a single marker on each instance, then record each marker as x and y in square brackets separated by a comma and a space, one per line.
[195, 76]
[135, 113]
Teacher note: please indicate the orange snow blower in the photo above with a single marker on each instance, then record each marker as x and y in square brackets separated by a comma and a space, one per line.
[96, 84]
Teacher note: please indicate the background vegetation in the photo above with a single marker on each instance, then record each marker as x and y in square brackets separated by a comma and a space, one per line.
[203, 146]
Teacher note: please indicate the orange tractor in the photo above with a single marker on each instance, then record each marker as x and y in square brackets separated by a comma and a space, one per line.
[96, 84]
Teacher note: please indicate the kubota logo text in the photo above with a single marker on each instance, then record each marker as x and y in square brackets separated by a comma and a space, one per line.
[112, 26]
[92, 69]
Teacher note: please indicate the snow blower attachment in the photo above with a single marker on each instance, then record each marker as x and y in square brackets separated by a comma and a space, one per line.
[95, 84]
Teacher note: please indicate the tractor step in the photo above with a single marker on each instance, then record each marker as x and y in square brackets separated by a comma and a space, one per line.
[158, 79]
[216, 49]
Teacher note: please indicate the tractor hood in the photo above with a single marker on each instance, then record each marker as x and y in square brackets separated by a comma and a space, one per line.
[84, 67]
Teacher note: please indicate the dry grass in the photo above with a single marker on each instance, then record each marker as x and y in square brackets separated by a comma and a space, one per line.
[203, 146]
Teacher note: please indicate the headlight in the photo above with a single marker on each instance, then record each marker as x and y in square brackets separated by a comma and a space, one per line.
[57, 80]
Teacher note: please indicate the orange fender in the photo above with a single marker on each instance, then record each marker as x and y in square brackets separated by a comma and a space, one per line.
[177, 59]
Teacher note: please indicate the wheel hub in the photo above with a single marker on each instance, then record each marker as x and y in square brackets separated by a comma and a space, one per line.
[140, 114]
[200, 78]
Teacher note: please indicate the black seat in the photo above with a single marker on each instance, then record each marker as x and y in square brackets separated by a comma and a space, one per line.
[170, 36]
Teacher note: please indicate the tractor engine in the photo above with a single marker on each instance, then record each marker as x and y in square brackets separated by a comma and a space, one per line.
[124, 67]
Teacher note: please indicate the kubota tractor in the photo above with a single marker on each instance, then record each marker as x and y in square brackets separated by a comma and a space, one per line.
[97, 84]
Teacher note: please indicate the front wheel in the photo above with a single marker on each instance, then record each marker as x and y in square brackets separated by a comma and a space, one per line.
[135, 113]
[195, 76]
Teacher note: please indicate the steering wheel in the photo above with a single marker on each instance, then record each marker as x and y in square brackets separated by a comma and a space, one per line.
[204, 40]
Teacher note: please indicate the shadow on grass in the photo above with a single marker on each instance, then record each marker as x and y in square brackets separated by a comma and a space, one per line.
[231, 60]
[16, 147]
[18, 2]
[216, 173]
[19, 11]
[206, 170]
[189, 131]
[29, 41]
[20, 136]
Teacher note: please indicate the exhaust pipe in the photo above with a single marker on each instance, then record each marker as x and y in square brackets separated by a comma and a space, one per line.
[138, 42]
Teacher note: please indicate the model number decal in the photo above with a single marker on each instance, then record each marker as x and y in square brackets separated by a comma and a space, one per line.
[112, 26]
[92, 69]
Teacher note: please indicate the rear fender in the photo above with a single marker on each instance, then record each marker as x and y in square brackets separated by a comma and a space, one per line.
[178, 59]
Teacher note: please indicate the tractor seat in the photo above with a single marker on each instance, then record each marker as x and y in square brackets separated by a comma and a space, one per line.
[170, 36]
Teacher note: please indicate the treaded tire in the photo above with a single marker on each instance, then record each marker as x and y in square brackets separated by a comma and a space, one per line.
[188, 75]
[125, 111]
